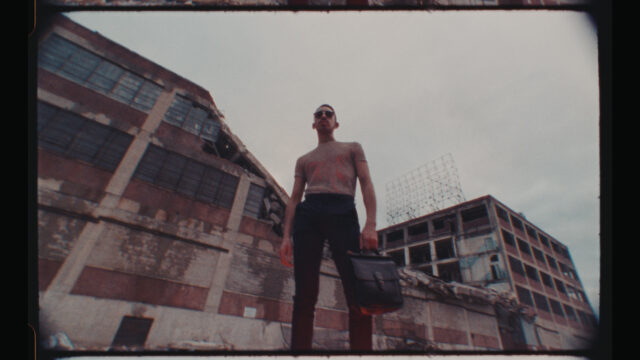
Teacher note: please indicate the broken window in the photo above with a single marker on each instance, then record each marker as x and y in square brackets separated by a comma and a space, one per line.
[395, 237]
[69, 134]
[538, 254]
[444, 249]
[446, 223]
[531, 231]
[475, 213]
[556, 307]
[532, 273]
[516, 266]
[560, 286]
[546, 279]
[420, 254]
[516, 223]
[187, 176]
[544, 240]
[571, 291]
[552, 262]
[509, 239]
[496, 272]
[419, 229]
[524, 296]
[502, 213]
[427, 270]
[571, 314]
[541, 302]
[193, 117]
[398, 257]
[81, 66]
[132, 332]
[254, 206]
[588, 320]
[449, 272]
[524, 247]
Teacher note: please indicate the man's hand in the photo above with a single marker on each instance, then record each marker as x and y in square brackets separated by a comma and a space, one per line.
[286, 252]
[369, 237]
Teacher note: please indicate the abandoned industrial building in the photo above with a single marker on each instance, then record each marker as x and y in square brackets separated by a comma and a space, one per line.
[483, 243]
[159, 230]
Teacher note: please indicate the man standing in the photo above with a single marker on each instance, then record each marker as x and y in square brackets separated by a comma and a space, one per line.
[329, 173]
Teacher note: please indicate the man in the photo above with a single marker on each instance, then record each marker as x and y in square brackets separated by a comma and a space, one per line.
[329, 173]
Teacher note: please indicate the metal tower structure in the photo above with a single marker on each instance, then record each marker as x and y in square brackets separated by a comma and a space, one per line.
[428, 188]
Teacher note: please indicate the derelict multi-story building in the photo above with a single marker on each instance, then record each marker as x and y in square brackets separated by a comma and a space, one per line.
[485, 244]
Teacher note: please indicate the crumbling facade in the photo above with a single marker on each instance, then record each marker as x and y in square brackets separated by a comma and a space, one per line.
[158, 230]
[484, 244]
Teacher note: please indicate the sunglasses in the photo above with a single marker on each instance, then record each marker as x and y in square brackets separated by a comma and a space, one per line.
[318, 114]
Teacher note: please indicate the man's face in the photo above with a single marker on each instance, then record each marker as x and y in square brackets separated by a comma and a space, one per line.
[324, 119]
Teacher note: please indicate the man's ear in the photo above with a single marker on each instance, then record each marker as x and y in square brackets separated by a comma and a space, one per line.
[337, 124]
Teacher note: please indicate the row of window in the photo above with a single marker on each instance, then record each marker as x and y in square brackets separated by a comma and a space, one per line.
[71, 61]
[549, 305]
[186, 176]
[525, 248]
[438, 225]
[69, 134]
[533, 274]
[518, 224]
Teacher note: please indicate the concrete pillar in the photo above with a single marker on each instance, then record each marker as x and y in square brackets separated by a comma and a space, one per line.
[221, 269]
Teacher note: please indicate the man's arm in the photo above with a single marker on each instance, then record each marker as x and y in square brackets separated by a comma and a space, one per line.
[368, 237]
[286, 249]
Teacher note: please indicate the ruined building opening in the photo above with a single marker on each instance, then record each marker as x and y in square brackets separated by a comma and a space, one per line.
[449, 272]
[420, 254]
[397, 257]
[418, 231]
[445, 224]
[395, 238]
[132, 333]
[444, 249]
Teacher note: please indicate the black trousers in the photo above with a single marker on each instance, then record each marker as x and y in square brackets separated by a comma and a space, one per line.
[318, 218]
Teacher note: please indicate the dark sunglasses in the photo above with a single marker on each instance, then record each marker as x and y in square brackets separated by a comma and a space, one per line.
[328, 113]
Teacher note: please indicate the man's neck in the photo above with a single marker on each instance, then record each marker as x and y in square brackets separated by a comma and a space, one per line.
[325, 138]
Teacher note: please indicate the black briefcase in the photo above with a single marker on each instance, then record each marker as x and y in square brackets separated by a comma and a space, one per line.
[377, 284]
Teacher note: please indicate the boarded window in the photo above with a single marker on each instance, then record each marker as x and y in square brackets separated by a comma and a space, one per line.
[132, 333]
[77, 64]
[69, 134]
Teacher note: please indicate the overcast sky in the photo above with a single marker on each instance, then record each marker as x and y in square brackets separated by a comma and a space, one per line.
[511, 95]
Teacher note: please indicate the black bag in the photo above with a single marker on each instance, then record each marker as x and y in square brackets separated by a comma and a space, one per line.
[376, 281]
